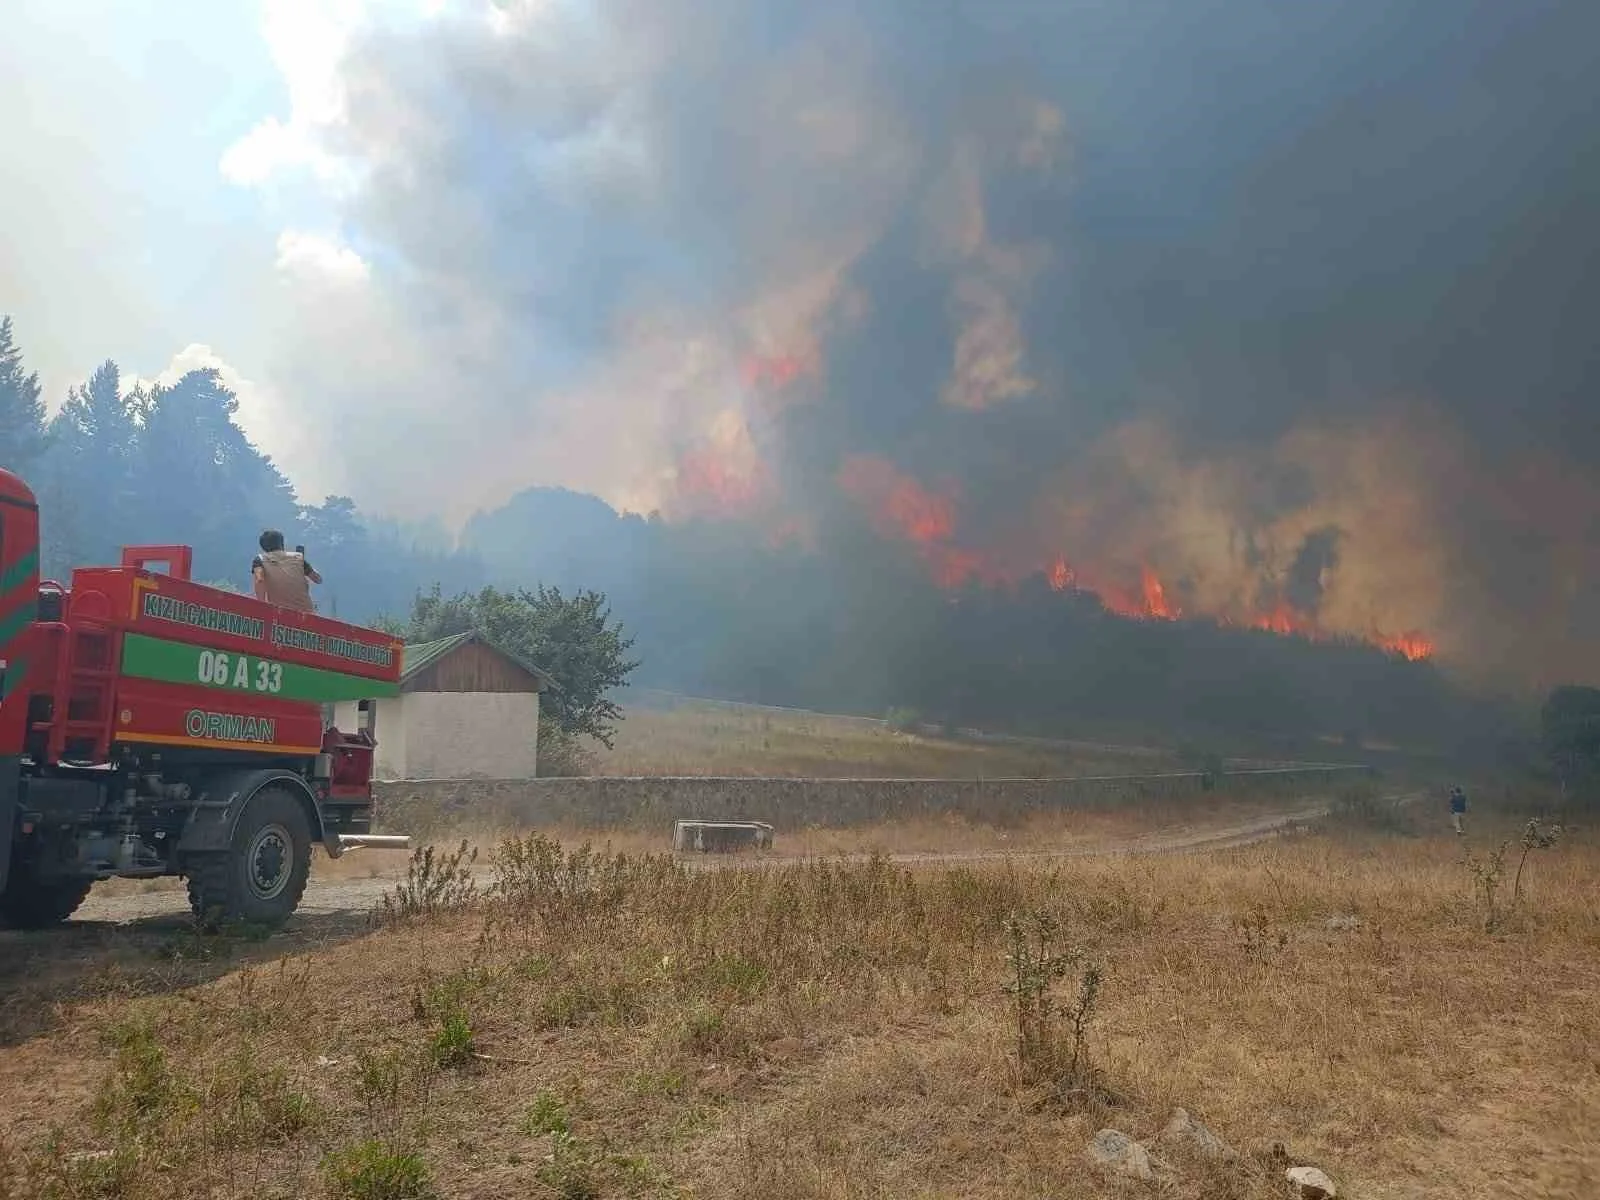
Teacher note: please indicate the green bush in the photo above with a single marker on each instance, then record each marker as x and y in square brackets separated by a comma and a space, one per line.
[372, 1170]
[903, 720]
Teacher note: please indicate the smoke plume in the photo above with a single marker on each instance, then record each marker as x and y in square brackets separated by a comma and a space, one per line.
[1266, 312]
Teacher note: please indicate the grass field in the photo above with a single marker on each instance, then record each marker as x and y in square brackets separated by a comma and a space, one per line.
[662, 735]
[631, 1027]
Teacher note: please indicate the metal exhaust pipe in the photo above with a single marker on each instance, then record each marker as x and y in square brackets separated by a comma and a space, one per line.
[375, 841]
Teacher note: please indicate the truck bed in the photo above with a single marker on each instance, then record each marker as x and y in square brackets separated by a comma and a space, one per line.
[159, 660]
[153, 610]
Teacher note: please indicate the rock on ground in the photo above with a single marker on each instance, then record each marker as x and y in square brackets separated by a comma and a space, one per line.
[1308, 1183]
[1184, 1131]
[1118, 1152]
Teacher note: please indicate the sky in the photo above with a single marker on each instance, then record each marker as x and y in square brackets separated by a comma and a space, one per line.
[134, 195]
[190, 189]
[1271, 299]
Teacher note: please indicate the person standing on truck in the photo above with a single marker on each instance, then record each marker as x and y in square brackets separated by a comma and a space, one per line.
[283, 577]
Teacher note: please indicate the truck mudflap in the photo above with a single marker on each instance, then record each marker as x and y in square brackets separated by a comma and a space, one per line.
[217, 808]
[10, 792]
[216, 814]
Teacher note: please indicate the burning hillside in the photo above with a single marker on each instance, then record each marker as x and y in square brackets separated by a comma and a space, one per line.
[927, 521]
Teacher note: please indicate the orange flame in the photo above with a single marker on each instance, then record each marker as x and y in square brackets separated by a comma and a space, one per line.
[1119, 601]
[902, 508]
[1283, 619]
[711, 485]
[1145, 601]
[1413, 645]
[1060, 575]
[1155, 596]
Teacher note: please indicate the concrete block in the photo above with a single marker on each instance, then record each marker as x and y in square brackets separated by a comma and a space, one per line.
[721, 837]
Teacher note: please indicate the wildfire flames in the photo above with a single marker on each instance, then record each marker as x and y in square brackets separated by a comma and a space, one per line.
[1147, 601]
[713, 485]
[1414, 645]
[728, 481]
[903, 509]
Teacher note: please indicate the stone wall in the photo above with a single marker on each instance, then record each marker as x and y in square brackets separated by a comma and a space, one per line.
[425, 807]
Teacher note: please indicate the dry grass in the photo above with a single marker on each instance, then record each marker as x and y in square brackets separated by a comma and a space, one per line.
[704, 738]
[629, 1027]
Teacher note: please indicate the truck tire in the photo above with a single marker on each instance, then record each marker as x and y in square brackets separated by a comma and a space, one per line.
[260, 878]
[27, 904]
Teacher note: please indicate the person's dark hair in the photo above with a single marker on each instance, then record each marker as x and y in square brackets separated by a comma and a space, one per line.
[271, 540]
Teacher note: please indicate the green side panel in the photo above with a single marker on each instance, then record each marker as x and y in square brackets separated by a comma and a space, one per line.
[15, 671]
[178, 662]
[18, 572]
[18, 621]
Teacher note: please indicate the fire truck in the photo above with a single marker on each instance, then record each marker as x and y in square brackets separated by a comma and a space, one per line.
[151, 726]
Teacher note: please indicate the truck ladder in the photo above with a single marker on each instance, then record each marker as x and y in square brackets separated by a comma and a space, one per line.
[80, 727]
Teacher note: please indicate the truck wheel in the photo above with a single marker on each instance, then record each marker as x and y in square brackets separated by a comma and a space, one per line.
[260, 878]
[30, 905]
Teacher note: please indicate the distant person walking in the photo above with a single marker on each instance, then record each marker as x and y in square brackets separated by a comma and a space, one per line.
[1458, 806]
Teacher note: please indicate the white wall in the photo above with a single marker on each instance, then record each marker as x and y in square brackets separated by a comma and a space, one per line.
[453, 735]
[470, 735]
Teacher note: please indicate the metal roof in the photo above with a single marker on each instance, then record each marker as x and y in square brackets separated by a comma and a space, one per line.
[419, 656]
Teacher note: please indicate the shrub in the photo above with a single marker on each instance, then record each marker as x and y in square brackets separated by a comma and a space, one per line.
[1360, 808]
[1052, 1039]
[453, 1045]
[568, 1170]
[903, 720]
[563, 755]
[548, 1115]
[373, 1170]
[434, 883]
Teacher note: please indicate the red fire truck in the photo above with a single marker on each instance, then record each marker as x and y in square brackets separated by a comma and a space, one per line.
[150, 725]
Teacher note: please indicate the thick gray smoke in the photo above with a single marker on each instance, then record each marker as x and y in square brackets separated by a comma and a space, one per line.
[1287, 302]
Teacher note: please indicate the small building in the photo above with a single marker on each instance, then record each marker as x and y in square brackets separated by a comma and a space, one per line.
[467, 709]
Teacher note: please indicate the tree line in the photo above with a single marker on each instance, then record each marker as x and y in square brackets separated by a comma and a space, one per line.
[119, 465]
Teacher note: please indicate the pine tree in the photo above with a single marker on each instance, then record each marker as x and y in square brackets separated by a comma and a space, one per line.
[87, 473]
[98, 417]
[22, 428]
[217, 492]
